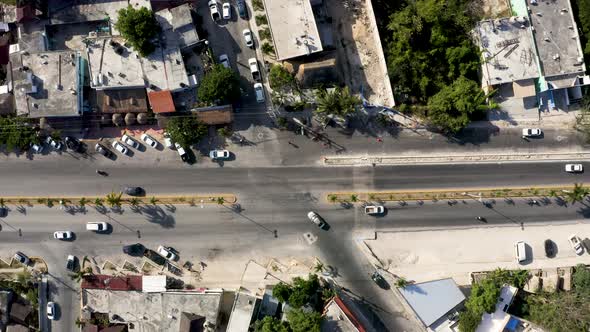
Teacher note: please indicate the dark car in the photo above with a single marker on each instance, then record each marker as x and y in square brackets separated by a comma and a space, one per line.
[134, 249]
[133, 191]
[242, 11]
[73, 144]
[22, 258]
[379, 280]
[71, 263]
[549, 248]
[103, 150]
[3, 212]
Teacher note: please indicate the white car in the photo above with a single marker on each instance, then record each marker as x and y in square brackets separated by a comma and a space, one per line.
[214, 10]
[54, 144]
[224, 60]
[149, 140]
[22, 258]
[51, 310]
[120, 147]
[130, 141]
[576, 244]
[63, 235]
[574, 168]
[71, 263]
[259, 92]
[167, 253]
[226, 10]
[218, 154]
[37, 148]
[374, 209]
[248, 38]
[316, 219]
[531, 132]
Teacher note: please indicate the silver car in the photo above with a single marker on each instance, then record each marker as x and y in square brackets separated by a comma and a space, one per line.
[130, 141]
[63, 235]
[316, 219]
[120, 147]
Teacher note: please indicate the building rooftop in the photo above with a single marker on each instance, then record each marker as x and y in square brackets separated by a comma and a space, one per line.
[46, 84]
[556, 35]
[508, 51]
[161, 101]
[164, 69]
[122, 100]
[295, 34]
[177, 26]
[112, 65]
[433, 299]
[497, 320]
[243, 311]
[155, 312]
[337, 317]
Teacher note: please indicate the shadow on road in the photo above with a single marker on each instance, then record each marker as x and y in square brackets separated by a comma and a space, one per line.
[157, 215]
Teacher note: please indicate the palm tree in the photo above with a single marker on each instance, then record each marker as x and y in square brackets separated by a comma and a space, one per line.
[154, 200]
[114, 199]
[220, 200]
[78, 275]
[134, 202]
[83, 201]
[98, 202]
[332, 198]
[2, 202]
[49, 202]
[552, 193]
[354, 198]
[337, 102]
[577, 194]
[319, 267]
[401, 282]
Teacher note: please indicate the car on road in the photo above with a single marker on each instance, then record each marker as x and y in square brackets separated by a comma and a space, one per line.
[149, 140]
[379, 280]
[71, 263]
[374, 209]
[53, 143]
[576, 244]
[253, 64]
[531, 132]
[181, 152]
[51, 310]
[214, 9]
[224, 60]
[226, 10]
[218, 154]
[103, 150]
[3, 211]
[37, 148]
[136, 249]
[63, 235]
[130, 141]
[259, 92]
[97, 226]
[316, 219]
[22, 258]
[520, 251]
[133, 191]
[248, 38]
[167, 253]
[574, 168]
[168, 141]
[242, 11]
[550, 249]
[73, 144]
[120, 147]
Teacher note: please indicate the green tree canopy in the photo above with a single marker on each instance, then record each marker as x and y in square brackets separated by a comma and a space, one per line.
[581, 279]
[282, 291]
[270, 324]
[300, 321]
[455, 105]
[280, 78]
[17, 132]
[138, 27]
[336, 102]
[577, 194]
[219, 86]
[186, 130]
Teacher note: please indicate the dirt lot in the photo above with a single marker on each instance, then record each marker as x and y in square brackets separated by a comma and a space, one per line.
[491, 8]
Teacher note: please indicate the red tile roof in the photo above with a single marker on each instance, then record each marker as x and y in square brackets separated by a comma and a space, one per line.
[120, 283]
[349, 314]
[161, 101]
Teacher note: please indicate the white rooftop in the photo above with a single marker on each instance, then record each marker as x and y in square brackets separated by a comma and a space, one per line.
[497, 320]
[293, 28]
[177, 26]
[241, 314]
[112, 65]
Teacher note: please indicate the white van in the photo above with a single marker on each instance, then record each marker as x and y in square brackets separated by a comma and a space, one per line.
[99, 226]
[520, 251]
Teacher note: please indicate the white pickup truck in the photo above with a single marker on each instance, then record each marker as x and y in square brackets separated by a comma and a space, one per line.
[374, 209]
[254, 69]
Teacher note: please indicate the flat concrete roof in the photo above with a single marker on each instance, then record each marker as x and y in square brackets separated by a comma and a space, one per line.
[177, 26]
[293, 28]
[507, 49]
[556, 35]
[109, 69]
[497, 320]
[154, 312]
[46, 84]
[164, 69]
[242, 312]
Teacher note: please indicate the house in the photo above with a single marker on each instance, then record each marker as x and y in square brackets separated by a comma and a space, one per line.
[338, 317]
[161, 101]
[177, 26]
[500, 320]
[436, 303]
[19, 312]
[243, 313]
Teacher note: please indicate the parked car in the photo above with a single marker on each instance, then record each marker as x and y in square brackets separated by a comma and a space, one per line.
[53, 143]
[574, 168]
[149, 140]
[51, 310]
[248, 38]
[130, 141]
[219, 154]
[374, 209]
[242, 11]
[37, 148]
[224, 60]
[136, 249]
[22, 258]
[3, 211]
[97, 226]
[226, 10]
[133, 191]
[259, 92]
[520, 251]
[73, 144]
[167, 253]
[181, 152]
[103, 150]
[531, 132]
[576, 244]
[71, 263]
[253, 64]
[549, 248]
[120, 147]
[63, 235]
[214, 9]
[316, 219]
[379, 280]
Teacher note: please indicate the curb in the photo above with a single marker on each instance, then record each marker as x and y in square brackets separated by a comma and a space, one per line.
[161, 199]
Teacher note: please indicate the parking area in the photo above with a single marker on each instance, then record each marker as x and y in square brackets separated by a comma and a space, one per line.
[429, 255]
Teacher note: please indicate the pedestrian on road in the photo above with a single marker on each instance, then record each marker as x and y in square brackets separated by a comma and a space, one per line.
[379, 139]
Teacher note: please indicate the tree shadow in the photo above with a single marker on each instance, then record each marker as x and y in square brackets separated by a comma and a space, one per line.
[157, 215]
[101, 209]
[171, 208]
